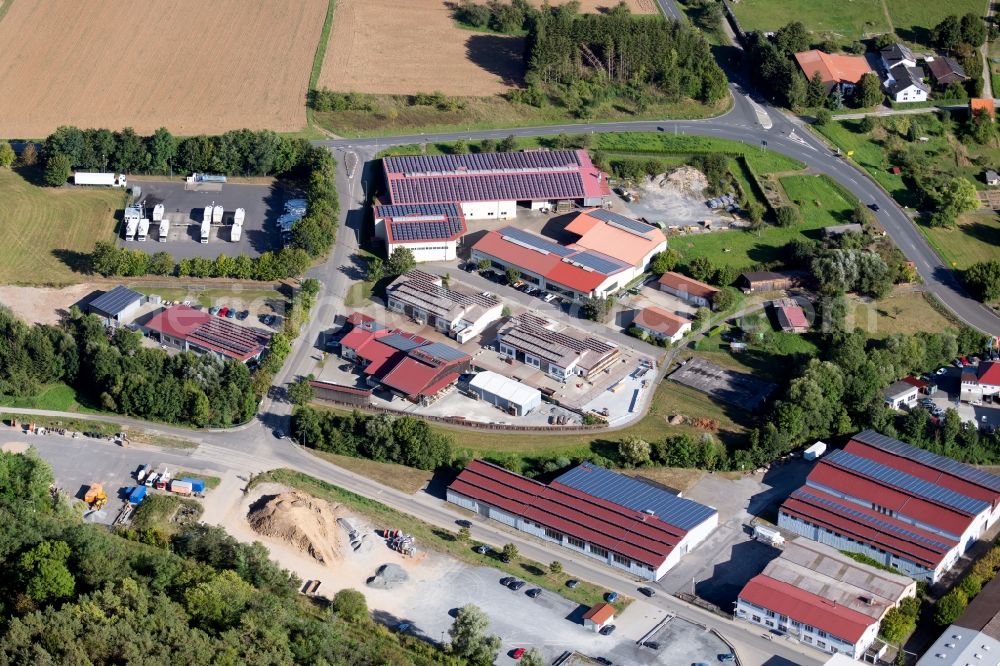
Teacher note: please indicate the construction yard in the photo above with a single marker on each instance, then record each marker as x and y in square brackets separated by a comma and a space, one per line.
[182, 64]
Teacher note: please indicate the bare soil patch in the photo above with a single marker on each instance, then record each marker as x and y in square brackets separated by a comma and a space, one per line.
[43, 305]
[402, 48]
[191, 66]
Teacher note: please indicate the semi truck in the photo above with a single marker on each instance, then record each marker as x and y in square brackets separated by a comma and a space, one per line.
[143, 229]
[104, 179]
[158, 211]
[206, 227]
[217, 214]
[164, 230]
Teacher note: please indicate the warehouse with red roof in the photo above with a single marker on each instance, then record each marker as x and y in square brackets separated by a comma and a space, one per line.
[430, 231]
[490, 186]
[624, 522]
[905, 507]
[189, 329]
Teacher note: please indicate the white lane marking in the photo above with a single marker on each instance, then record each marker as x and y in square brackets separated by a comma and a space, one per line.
[762, 116]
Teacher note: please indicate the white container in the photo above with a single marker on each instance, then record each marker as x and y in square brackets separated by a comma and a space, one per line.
[814, 451]
[143, 229]
[131, 225]
[238, 216]
[105, 179]
[768, 535]
[216, 214]
[206, 227]
[158, 210]
[236, 232]
[164, 230]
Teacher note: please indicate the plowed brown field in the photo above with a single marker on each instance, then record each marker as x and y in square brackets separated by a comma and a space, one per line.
[189, 65]
[400, 48]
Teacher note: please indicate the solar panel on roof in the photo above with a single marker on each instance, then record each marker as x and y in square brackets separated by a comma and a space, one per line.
[872, 520]
[597, 262]
[424, 229]
[531, 240]
[416, 164]
[406, 210]
[907, 482]
[941, 463]
[116, 300]
[617, 220]
[636, 495]
[494, 187]
[442, 351]
[401, 342]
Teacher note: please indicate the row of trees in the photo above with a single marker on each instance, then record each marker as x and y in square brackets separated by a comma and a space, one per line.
[76, 593]
[109, 260]
[383, 437]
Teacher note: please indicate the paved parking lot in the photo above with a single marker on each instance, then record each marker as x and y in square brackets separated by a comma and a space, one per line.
[736, 388]
[185, 207]
[986, 414]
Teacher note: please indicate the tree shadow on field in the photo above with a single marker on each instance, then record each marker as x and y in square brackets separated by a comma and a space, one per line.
[78, 262]
[498, 55]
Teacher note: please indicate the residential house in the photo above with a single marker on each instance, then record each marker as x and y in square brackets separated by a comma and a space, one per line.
[897, 54]
[981, 382]
[660, 324]
[992, 178]
[906, 84]
[979, 105]
[836, 70]
[945, 70]
[688, 289]
[790, 315]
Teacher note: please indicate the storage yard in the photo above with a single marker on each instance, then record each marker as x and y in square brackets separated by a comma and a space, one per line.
[183, 207]
[190, 67]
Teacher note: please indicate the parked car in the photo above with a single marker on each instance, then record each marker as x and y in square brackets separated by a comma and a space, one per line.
[648, 591]
[941, 371]
[223, 312]
[957, 363]
[607, 630]
[728, 656]
[534, 592]
[518, 653]
[242, 314]
[230, 314]
[507, 580]
[548, 298]
[652, 645]
[611, 597]
[482, 549]
[572, 584]
[214, 310]
[464, 523]
[517, 585]
[279, 434]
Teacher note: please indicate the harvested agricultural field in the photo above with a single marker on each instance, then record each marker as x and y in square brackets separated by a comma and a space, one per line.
[385, 46]
[191, 66]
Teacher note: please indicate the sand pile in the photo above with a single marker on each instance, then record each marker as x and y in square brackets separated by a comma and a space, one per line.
[685, 179]
[388, 576]
[302, 521]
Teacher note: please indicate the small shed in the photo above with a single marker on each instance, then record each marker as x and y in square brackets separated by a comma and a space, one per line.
[900, 395]
[509, 395]
[840, 229]
[116, 307]
[766, 281]
[992, 178]
[814, 451]
[599, 616]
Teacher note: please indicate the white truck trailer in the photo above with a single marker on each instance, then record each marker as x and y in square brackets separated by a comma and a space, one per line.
[206, 227]
[143, 229]
[104, 179]
[768, 535]
[236, 232]
[131, 225]
[164, 230]
[158, 211]
[217, 214]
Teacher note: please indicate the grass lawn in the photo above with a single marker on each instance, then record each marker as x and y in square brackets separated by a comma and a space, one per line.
[394, 115]
[45, 231]
[843, 19]
[436, 538]
[56, 397]
[914, 19]
[237, 294]
[903, 311]
[869, 155]
[210, 481]
[975, 239]
[403, 478]
[761, 161]
[822, 203]
[358, 294]
[160, 512]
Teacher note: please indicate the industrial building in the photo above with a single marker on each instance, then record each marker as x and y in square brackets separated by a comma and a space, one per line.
[974, 638]
[688, 289]
[188, 329]
[900, 395]
[560, 354]
[626, 523]
[404, 363]
[430, 231]
[459, 314]
[822, 598]
[606, 252]
[905, 507]
[339, 393]
[490, 186]
[117, 307]
[660, 324]
[508, 394]
[981, 382]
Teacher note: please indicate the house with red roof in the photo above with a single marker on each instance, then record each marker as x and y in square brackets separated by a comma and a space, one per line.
[189, 329]
[836, 70]
[658, 323]
[981, 382]
[688, 289]
[907, 508]
[619, 520]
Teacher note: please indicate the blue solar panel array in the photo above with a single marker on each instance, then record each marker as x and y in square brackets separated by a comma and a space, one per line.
[531, 240]
[114, 301]
[542, 186]
[416, 164]
[871, 521]
[907, 483]
[425, 230]
[401, 342]
[636, 226]
[442, 351]
[598, 262]
[636, 495]
[934, 461]
[418, 210]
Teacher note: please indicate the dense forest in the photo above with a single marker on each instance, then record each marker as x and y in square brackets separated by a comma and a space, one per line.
[74, 593]
[116, 374]
[304, 170]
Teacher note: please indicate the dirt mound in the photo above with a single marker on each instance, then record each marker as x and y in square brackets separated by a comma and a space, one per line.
[300, 520]
[388, 576]
[684, 178]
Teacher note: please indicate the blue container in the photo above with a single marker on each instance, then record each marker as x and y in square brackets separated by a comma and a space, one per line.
[197, 485]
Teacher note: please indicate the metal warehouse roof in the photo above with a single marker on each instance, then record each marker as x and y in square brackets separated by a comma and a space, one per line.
[422, 222]
[225, 337]
[505, 387]
[622, 222]
[533, 242]
[928, 459]
[487, 162]
[438, 351]
[907, 482]
[541, 186]
[114, 301]
[637, 495]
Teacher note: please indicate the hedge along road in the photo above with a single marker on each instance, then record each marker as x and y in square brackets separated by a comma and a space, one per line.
[787, 136]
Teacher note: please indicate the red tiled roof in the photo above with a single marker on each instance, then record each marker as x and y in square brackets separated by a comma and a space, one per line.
[989, 373]
[575, 277]
[379, 356]
[684, 283]
[795, 316]
[413, 378]
[358, 337]
[659, 320]
[641, 537]
[867, 526]
[178, 321]
[939, 477]
[494, 245]
[913, 381]
[833, 68]
[806, 607]
[875, 492]
[600, 613]
[359, 318]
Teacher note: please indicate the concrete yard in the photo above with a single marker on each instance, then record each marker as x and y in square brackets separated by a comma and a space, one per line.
[736, 388]
[185, 205]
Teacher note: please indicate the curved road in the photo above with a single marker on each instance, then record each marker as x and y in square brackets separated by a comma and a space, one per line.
[757, 124]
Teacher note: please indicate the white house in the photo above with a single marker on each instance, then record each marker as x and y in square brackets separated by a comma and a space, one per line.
[599, 616]
[901, 395]
[906, 84]
[897, 54]
[981, 382]
[658, 323]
